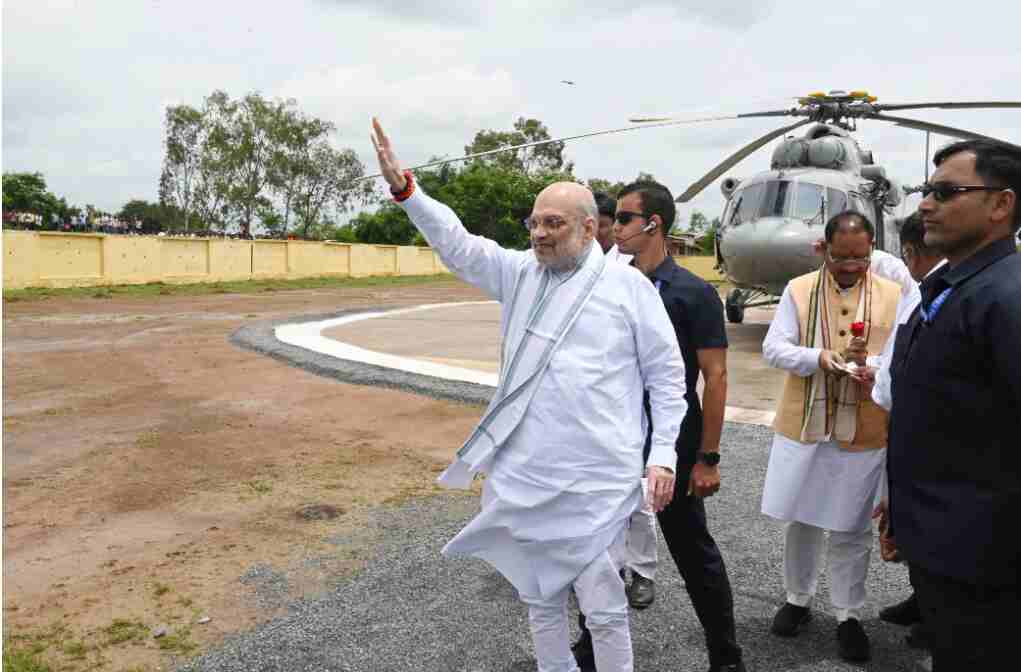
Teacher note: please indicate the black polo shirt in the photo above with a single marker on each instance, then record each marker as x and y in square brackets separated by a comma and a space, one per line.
[954, 457]
[696, 312]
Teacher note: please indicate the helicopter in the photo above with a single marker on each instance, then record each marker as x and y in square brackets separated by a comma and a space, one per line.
[771, 220]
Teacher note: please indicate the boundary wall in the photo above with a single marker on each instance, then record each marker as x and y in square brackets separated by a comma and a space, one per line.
[54, 259]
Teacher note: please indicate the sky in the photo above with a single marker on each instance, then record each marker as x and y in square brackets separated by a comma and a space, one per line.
[86, 83]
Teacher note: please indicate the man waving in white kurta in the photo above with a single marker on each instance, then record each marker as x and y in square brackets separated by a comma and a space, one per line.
[561, 441]
[828, 457]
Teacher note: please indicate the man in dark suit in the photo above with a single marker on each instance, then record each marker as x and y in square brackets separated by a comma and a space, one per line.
[955, 426]
[645, 212]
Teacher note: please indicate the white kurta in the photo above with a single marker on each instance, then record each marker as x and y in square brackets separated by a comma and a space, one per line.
[881, 392]
[562, 487]
[614, 254]
[885, 265]
[814, 483]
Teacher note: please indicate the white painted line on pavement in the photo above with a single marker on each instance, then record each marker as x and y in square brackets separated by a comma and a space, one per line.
[309, 335]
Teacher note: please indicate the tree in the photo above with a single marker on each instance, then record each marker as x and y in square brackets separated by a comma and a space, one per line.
[179, 180]
[27, 192]
[326, 179]
[698, 222]
[549, 157]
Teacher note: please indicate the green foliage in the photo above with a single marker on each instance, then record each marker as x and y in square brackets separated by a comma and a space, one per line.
[490, 199]
[17, 659]
[26, 192]
[545, 158]
[240, 162]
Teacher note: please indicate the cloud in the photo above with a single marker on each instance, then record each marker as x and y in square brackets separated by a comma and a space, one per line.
[85, 85]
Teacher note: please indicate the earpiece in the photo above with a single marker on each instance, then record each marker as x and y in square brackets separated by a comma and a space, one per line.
[650, 227]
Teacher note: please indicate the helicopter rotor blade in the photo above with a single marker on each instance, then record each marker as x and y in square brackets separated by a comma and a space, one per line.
[771, 113]
[538, 143]
[883, 107]
[734, 159]
[935, 128]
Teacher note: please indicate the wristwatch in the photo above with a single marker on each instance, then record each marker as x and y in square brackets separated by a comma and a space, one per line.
[708, 459]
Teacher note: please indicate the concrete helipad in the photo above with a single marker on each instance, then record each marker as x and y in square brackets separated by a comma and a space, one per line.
[461, 341]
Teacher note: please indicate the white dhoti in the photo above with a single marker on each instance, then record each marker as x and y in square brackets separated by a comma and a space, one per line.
[601, 598]
[640, 541]
[817, 488]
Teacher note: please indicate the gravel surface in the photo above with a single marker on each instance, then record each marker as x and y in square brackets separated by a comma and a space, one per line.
[411, 609]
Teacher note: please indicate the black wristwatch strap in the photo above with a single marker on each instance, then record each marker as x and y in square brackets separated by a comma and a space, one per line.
[708, 459]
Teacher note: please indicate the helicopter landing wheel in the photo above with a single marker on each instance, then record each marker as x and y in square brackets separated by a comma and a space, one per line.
[735, 306]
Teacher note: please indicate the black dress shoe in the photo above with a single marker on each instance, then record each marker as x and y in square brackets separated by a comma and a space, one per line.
[790, 618]
[919, 637]
[583, 653]
[903, 613]
[852, 642]
[641, 593]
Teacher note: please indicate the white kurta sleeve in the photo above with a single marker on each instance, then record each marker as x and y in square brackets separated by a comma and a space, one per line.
[662, 369]
[474, 259]
[781, 347]
[881, 390]
[887, 266]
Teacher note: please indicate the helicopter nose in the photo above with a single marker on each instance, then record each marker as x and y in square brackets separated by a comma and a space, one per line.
[770, 250]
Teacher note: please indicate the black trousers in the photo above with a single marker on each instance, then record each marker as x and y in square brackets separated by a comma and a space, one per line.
[971, 626]
[700, 564]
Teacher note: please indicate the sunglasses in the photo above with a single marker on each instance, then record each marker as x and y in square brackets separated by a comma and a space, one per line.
[943, 192]
[624, 217]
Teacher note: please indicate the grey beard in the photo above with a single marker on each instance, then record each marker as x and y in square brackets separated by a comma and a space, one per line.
[570, 262]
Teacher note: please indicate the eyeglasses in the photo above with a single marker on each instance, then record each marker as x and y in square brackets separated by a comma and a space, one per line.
[551, 223]
[624, 217]
[943, 192]
[847, 261]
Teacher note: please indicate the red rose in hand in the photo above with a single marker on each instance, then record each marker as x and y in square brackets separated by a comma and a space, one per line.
[858, 329]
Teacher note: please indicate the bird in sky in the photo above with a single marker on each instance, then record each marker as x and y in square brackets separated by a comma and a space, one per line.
[566, 81]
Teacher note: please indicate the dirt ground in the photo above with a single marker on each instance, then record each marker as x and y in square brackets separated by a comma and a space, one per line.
[153, 472]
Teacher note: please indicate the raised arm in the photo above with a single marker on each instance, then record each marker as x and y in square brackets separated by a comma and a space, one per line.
[472, 258]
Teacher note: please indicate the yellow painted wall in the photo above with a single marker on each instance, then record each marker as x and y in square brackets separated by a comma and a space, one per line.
[337, 257]
[184, 257]
[306, 258]
[415, 261]
[269, 258]
[70, 256]
[703, 267]
[21, 255]
[33, 259]
[369, 260]
[230, 259]
[130, 259]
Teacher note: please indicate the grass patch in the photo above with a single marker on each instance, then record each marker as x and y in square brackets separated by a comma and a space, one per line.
[177, 642]
[259, 487]
[25, 659]
[204, 288]
[160, 589]
[75, 650]
[122, 630]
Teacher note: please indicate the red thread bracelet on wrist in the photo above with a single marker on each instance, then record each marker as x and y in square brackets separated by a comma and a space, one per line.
[409, 189]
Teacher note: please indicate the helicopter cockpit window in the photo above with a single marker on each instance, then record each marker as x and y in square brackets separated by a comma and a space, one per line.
[837, 202]
[807, 202]
[747, 202]
[775, 198]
